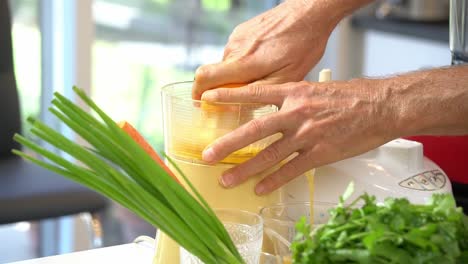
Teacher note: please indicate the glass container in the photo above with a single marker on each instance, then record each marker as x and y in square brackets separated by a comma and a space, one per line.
[280, 220]
[244, 228]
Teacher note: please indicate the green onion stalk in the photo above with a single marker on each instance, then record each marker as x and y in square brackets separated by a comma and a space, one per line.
[113, 164]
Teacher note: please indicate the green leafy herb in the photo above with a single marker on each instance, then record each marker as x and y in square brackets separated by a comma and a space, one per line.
[117, 167]
[395, 232]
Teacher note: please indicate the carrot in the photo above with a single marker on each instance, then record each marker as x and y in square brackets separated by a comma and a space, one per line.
[135, 135]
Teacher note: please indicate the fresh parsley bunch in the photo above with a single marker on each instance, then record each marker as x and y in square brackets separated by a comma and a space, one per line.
[395, 232]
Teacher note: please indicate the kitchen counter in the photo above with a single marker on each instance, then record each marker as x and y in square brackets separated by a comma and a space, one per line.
[133, 253]
[434, 31]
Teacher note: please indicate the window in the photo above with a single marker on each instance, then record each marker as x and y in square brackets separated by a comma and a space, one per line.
[143, 44]
[27, 55]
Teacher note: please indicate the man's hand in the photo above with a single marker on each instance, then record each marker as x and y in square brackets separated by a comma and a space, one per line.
[280, 45]
[327, 122]
[321, 122]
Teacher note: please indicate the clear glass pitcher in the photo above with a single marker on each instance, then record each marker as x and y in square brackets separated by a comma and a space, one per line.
[246, 231]
[280, 221]
[459, 31]
[189, 127]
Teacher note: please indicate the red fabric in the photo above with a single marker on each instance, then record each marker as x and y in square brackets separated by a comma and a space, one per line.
[450, 153]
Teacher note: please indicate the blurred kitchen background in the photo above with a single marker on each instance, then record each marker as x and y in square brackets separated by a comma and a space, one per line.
[122, 52]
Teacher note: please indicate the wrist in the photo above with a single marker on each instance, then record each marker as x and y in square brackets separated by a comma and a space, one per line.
[406, 119]
[383, 114]
[409, 111]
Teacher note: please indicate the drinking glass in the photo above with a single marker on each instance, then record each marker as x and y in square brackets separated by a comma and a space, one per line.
[246, 231]
[266, 258]
[280, 220]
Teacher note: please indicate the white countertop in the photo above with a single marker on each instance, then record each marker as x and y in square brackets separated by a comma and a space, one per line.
[134, 253]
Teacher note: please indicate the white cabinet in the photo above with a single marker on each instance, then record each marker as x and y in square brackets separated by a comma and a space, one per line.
[386, 53]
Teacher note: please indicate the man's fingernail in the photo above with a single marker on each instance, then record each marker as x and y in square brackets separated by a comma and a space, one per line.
[227, 180]
[208, 155]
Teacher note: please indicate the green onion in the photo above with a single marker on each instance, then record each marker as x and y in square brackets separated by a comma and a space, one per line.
[116, 166]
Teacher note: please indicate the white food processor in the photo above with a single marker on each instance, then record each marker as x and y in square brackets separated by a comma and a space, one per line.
[395, 169]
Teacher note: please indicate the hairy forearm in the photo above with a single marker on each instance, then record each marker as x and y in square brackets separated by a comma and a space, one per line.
[430, 102]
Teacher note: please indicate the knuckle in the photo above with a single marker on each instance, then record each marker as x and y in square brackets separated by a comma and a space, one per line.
[287, 170]
[297, 114]
[295, 167]
[303, 88]
[243, 59]
[235, 30]
[310, 156]
[256, 91]
[304, 85]
[305, 135]
[230, 49]
[203, 72]
[304, 111]
[256, 128]
[225, 93]
[227, 53]
[308, 127]
[271, 154]
[236, 56]
[314, 159]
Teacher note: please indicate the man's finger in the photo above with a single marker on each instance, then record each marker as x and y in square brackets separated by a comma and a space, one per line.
[292, 169]
[252, 93]
[264, 160]
[243, 136]
[215, 75]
